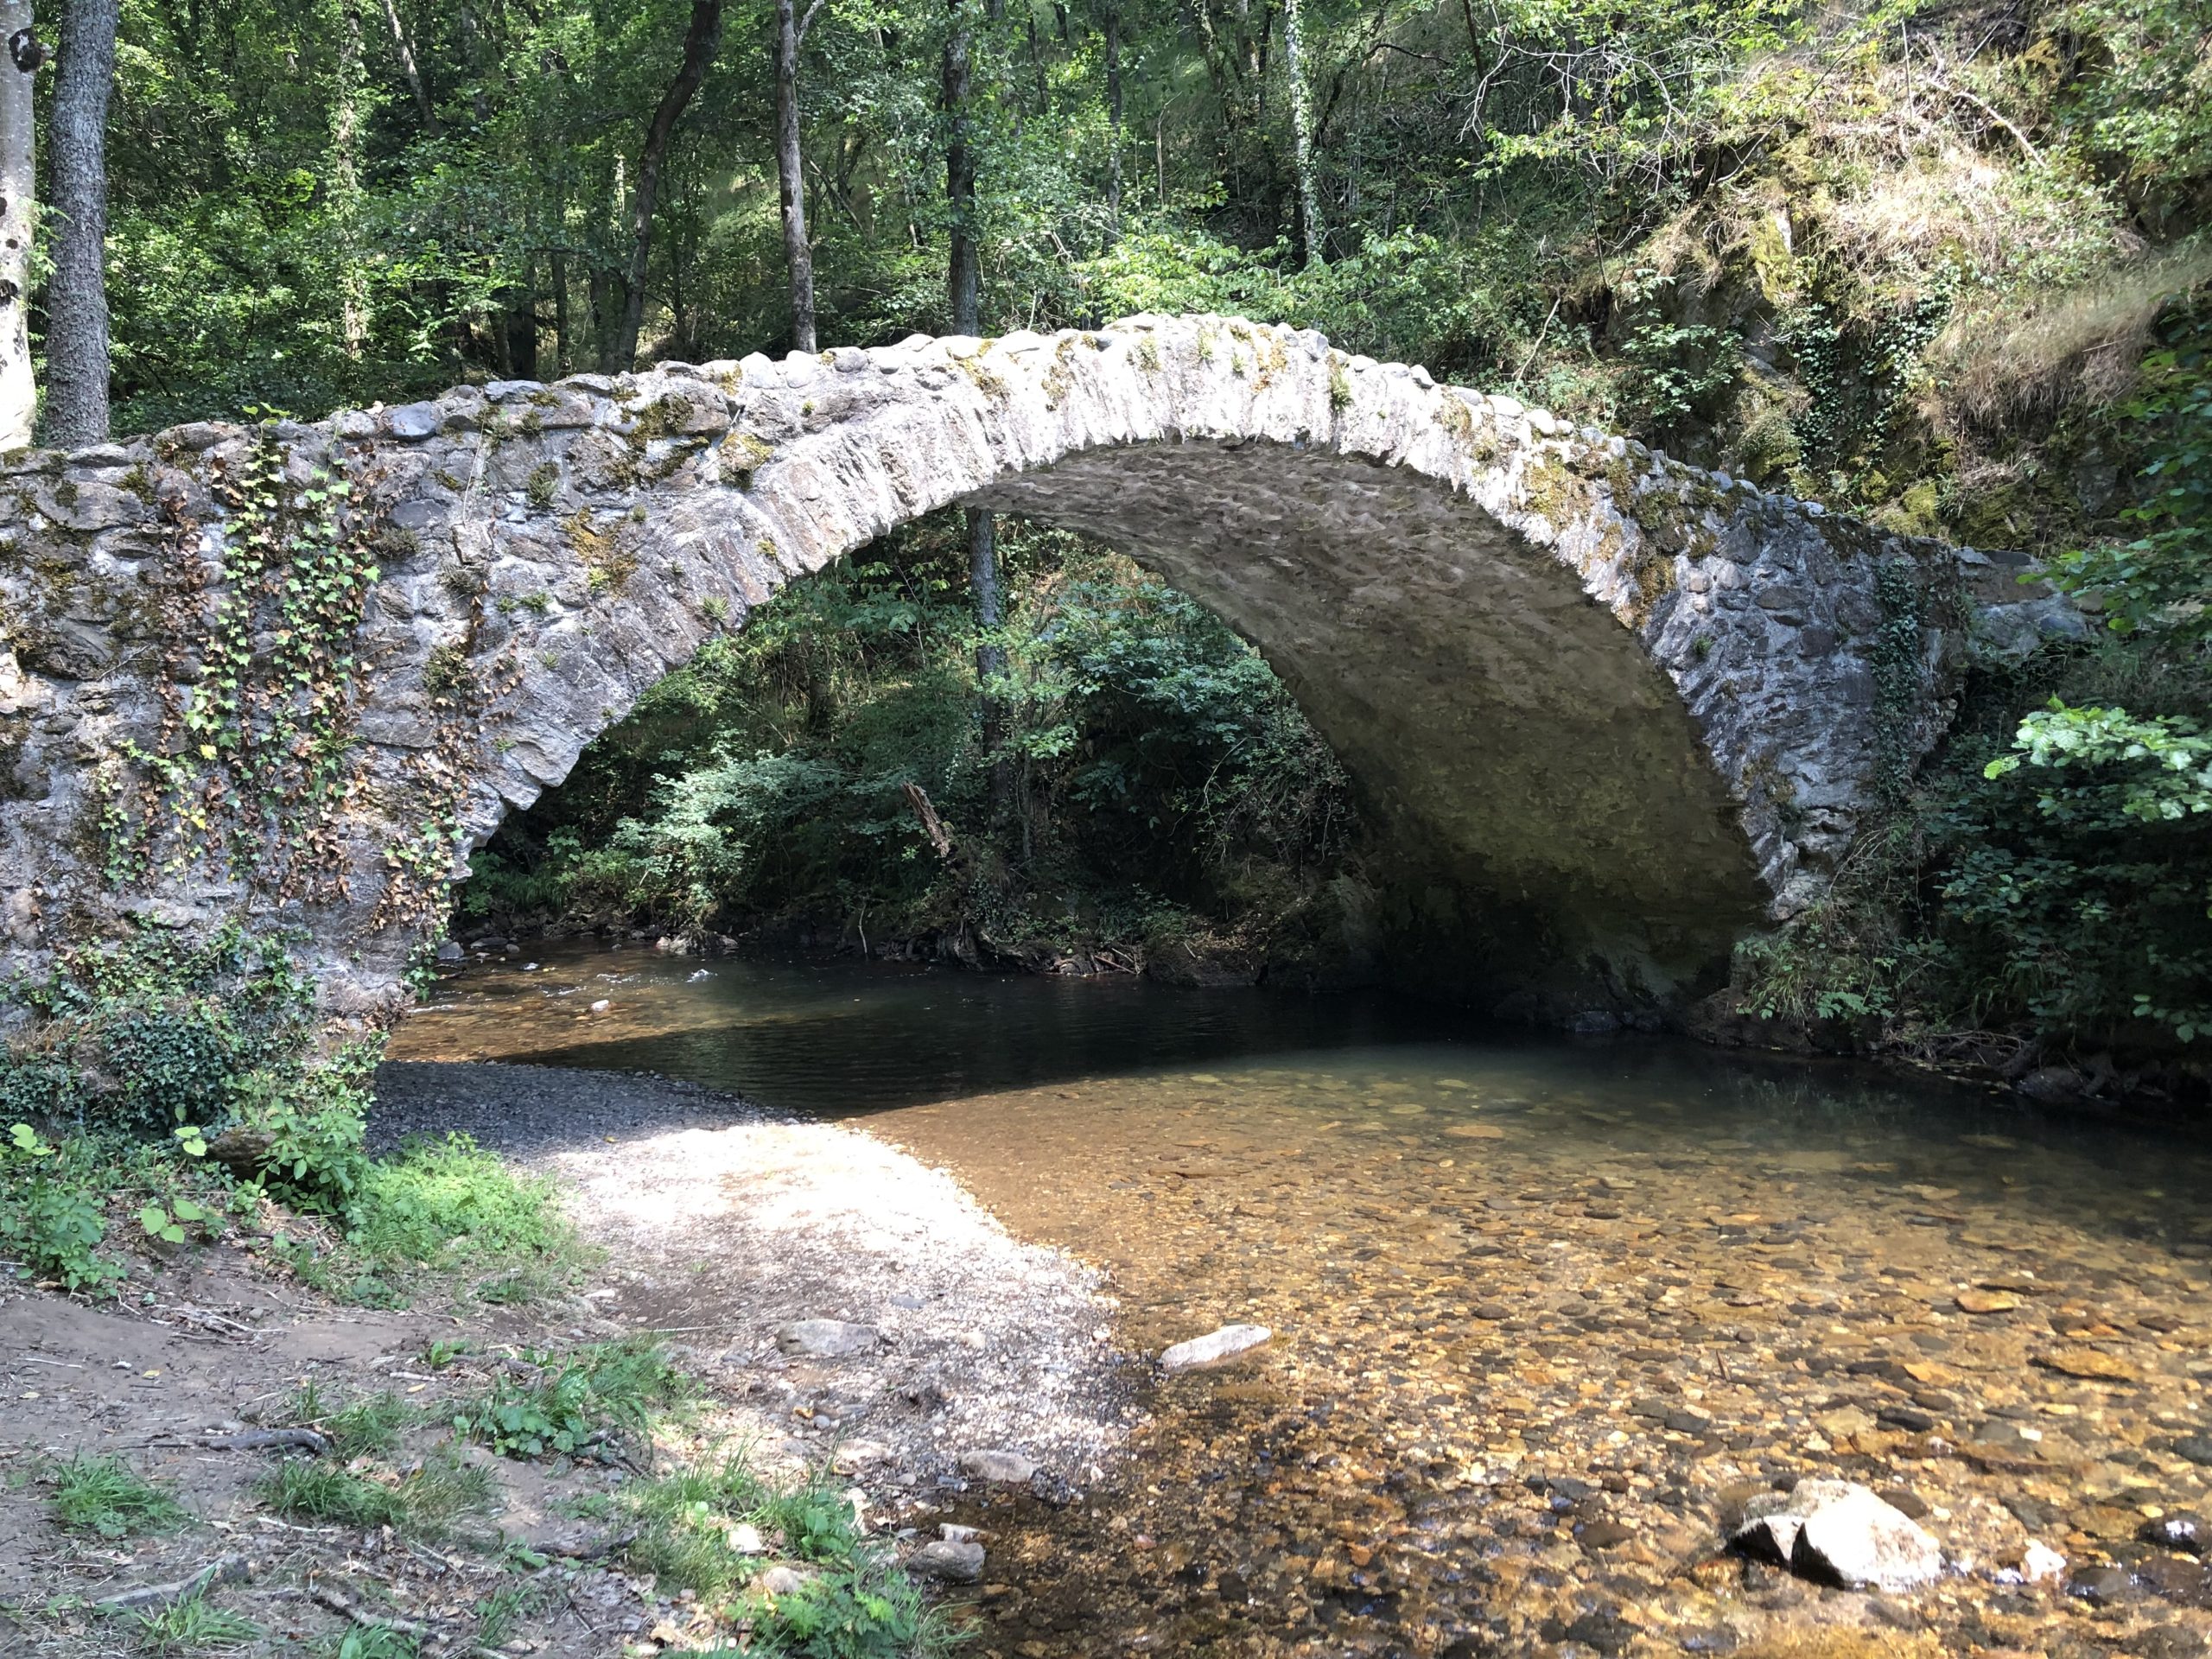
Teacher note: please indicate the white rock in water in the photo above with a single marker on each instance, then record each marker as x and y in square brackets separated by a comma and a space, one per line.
[825, 1338]
[1215, 1348]
[955, 1563]
[601, 1006]
[1007, 1468]
[2041, 1564]
[1839, 1530]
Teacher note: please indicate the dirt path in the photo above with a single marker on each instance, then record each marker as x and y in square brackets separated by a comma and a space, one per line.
[839, 1303]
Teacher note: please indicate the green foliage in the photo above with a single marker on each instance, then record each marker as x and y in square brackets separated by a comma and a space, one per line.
[450, 1202]
[584, 1404]
[157, 1029]
[376, 1642]
[2080, 873]
[106, 1498]
[49, 1226]
[866, 1610]
[854, 1605]
[2159, 584]
[1159, 763]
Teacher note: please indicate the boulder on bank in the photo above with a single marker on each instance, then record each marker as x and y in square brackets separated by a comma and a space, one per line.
[825, 1338]
[1001, 1467]
[1842, 1533]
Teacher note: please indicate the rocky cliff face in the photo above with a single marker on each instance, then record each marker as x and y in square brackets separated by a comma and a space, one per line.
[1609, 710]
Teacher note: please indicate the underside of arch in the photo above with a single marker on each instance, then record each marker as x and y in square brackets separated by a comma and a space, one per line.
[1551, 828]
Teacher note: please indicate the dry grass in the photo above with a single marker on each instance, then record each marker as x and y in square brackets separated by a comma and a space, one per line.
[1996, 363]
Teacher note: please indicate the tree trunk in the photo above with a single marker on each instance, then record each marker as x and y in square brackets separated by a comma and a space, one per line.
[346, 182]
[699, 39]
[76, 293]
[1301, 132]
[798, 253]
[965, 271]
[1112, 22]
[18, 222]
[963, 289]
[405, 48]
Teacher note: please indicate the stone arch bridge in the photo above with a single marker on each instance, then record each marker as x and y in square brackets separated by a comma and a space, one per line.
[1609, 710]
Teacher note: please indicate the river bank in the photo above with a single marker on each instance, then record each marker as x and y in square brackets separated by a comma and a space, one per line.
[841, 1316]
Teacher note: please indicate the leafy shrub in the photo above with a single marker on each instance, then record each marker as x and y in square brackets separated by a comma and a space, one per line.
[867, 1608]
[157, 1029]
[583, 1405]
[49, 1224]
[2078, 879]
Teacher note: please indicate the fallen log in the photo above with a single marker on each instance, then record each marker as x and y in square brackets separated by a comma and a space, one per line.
[151, 1598]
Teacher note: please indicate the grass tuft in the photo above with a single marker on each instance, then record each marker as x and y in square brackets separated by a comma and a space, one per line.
[367, 1427]
[193, 1626]
[106, 1498]
[425, 1502]
[450, 1202]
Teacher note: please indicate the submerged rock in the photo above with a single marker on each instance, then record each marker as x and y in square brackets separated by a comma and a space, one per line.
[1843, 1532]
[1215, 1348]
[2183, 1532]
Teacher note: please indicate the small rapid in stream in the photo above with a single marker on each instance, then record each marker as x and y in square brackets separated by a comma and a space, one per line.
[1546, 1311]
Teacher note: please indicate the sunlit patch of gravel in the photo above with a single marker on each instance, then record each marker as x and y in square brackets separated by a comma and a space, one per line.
[723, 1222]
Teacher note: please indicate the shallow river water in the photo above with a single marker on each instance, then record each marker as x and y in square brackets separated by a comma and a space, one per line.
[1546, 1313]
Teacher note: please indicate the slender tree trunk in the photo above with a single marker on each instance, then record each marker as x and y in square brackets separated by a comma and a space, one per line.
[963, 275]
[699, 39]
[346, 182]
[1301, 132]
[963, 288]
[563, 346]
[18, 222]
[76, 293]
[1112, 22]
[791, 177]
[402, 44]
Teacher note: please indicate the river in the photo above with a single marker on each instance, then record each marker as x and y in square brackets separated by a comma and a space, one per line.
[1546, 1311]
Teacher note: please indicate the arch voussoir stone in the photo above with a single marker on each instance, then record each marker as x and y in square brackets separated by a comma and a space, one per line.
[1609, 711]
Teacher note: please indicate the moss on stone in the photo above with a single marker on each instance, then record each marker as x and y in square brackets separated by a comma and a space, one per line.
[1059, 378]
[544, 479]
[1550, 489]
[743, 455]
[1474, 439]
[607, 564]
